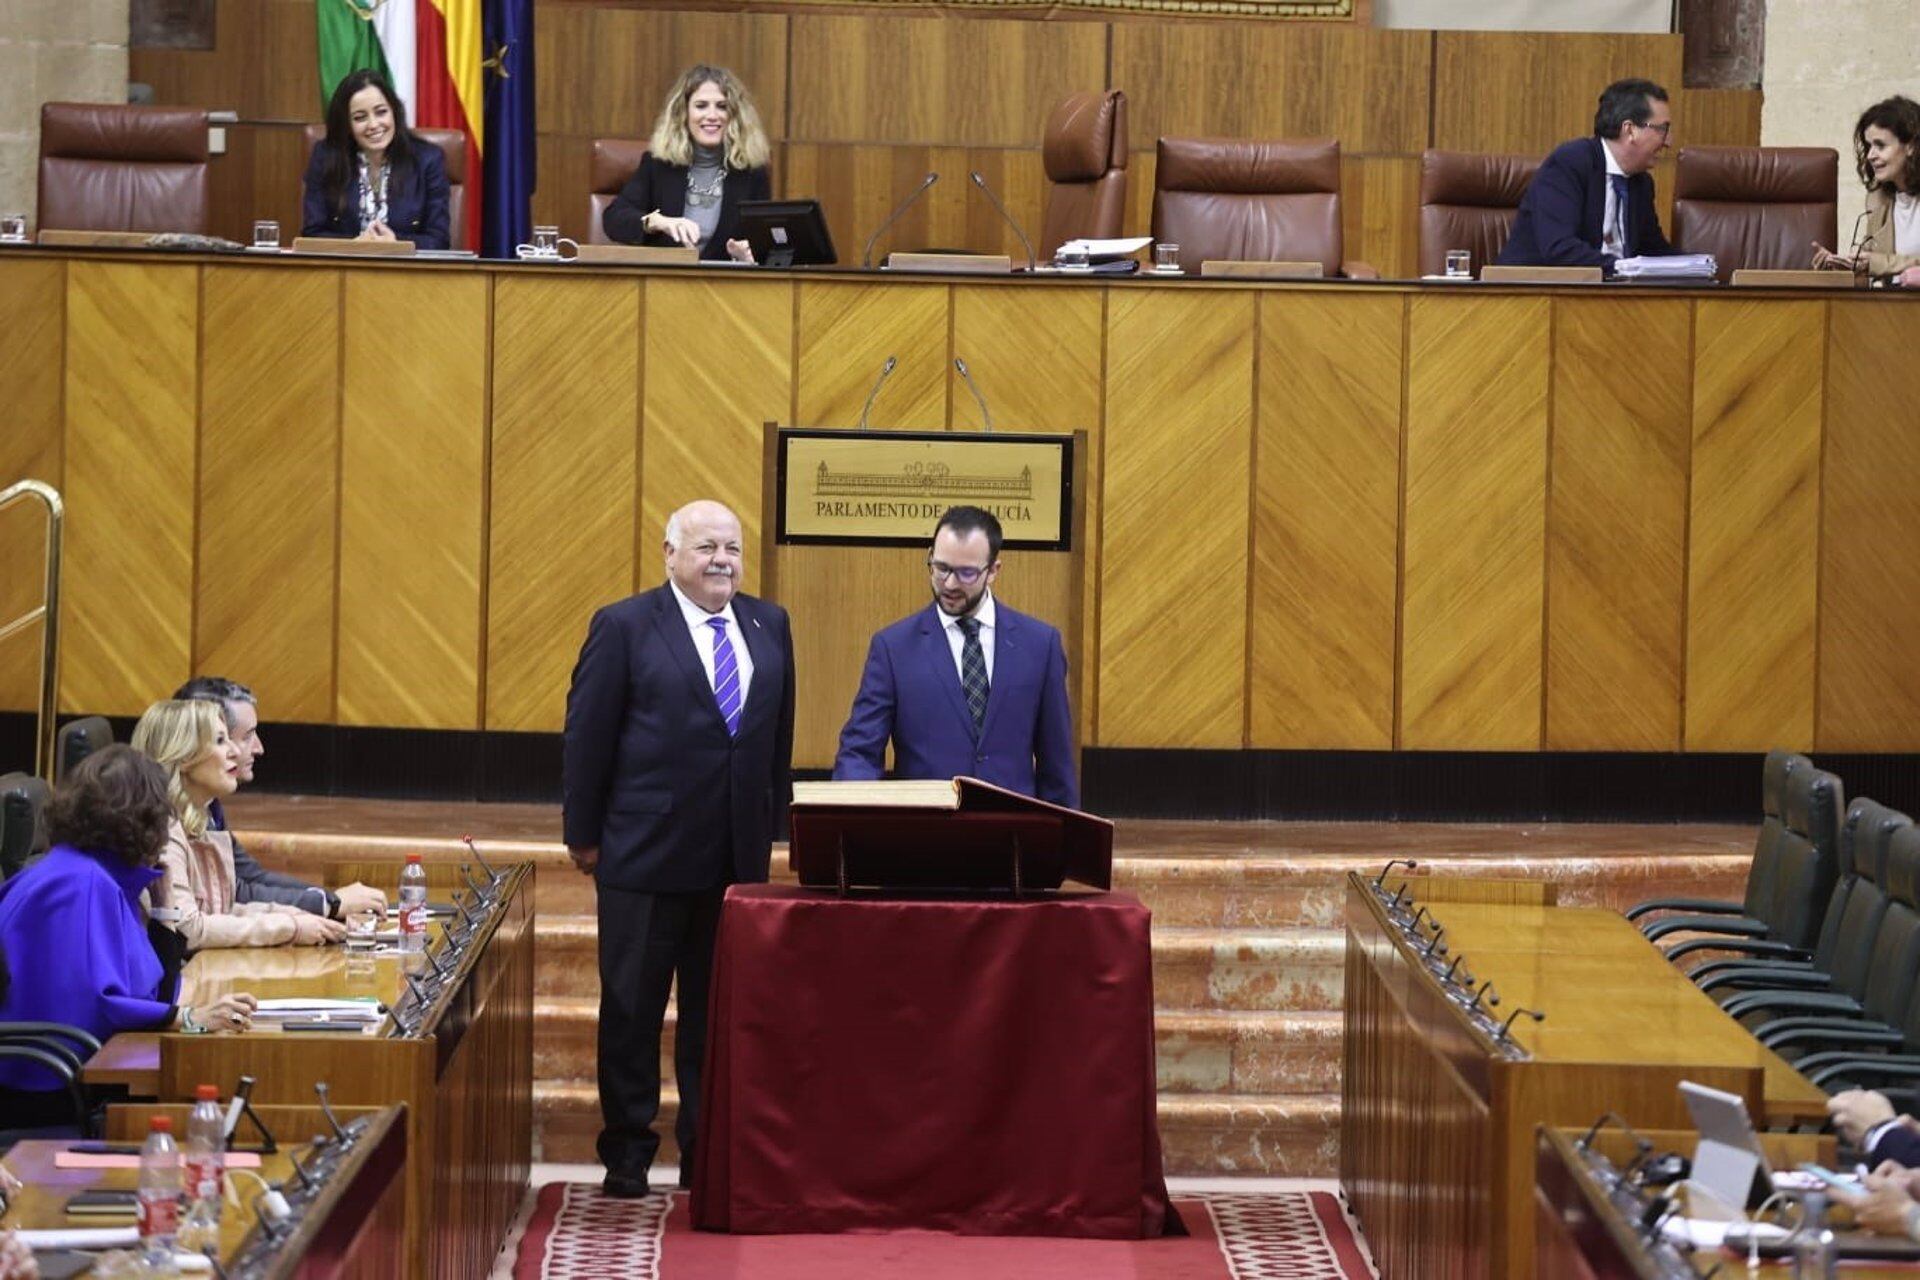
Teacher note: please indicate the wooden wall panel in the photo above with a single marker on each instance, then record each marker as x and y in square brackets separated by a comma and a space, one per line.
[847, 331]
[1253, 80]
[30, 384]
[936, 81]
[1617, 524]
[859, 185]
[1326, 512]
[606, 71]
[1753, 548]
[1530, 91]
[267, 535]
[719, 368]
[566, 429]
[1380, 213]
[1870, 534]
[265, 63]
[1474, 524]
[1717, 117]
[131, 396]
[1174, 518]
[413, 486]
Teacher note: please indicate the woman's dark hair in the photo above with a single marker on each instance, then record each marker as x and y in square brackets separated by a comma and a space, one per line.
[339, 153]
[113, 802]
[1901, 118]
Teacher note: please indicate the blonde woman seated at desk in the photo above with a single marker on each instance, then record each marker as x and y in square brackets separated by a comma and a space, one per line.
[1886, 146]
[189, 740]
[707, 154]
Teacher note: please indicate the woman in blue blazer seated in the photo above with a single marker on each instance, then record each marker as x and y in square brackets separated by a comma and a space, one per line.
[371, 178]
[74, 932]
[707, 154]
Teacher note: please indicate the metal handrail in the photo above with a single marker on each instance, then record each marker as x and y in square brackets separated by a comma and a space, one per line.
[50, 610]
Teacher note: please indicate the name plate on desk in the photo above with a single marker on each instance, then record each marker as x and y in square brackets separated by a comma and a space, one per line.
[356, 248]
[1495, 274]
[1229, 268]
[1760, 278]
[639, 255]
[970, 264]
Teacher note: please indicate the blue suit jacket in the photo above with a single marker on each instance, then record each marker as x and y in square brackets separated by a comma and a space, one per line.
[910, 693]
[416, 204]
[1563, 213]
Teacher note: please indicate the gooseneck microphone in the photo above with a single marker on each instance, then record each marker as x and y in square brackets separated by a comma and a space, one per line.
[886, 371]
[994, 200]
[974, 387]
[866, 255]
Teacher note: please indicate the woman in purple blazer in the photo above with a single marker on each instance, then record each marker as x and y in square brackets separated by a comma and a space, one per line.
[371, 178]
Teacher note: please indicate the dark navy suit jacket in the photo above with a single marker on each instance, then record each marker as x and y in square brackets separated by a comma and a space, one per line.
[910, 693]
[416, 203]
[1562, 216]
[649, 772]
[1898, 1144]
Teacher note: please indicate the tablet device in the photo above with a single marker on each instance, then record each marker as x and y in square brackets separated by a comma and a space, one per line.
[1728, 1163]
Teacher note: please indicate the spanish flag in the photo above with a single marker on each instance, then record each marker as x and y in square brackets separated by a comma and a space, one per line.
[449, 92]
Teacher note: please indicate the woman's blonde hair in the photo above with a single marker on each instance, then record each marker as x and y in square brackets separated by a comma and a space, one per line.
[746, 140]
[174, 735]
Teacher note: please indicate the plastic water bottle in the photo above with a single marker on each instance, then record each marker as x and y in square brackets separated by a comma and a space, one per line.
[159, 1202]
[203, 1168]
[413, 907]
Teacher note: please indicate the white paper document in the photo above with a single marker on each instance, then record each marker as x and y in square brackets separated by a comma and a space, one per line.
[1709, 1233]
[319, 1009]
[1109, 248]
[1674, 266]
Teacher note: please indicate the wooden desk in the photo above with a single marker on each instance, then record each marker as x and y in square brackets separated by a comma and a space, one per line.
[1438, 1116]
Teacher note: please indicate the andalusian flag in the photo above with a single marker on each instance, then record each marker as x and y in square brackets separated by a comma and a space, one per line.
[366, 33]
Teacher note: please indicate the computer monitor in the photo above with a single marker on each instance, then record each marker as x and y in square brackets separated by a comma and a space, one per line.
[786, 233]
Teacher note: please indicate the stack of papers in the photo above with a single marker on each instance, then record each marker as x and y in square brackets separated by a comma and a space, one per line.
[1673, 266]
[1107, 250]
[318, 1009]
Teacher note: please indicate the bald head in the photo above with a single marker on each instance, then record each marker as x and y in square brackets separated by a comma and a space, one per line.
[705, 554]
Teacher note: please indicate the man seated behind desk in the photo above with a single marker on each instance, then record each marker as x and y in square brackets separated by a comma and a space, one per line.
[965, 686]
[1591, 203]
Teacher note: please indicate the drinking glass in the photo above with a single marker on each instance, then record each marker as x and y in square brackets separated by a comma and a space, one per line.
[546, 242]
[1459, 264]
[1166, 257]
[13, 228]
[266, 235]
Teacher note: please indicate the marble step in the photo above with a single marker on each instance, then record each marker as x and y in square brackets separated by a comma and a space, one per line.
[1197, 1052]
[1296, 1136]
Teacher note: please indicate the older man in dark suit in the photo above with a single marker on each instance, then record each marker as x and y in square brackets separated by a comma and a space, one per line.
[1591, 203]
[678, 757]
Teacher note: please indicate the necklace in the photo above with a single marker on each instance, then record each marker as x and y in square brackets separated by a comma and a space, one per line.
[701, 196]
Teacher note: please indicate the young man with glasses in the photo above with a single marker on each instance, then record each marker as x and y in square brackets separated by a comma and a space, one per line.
[1591, 203]
[966, 685]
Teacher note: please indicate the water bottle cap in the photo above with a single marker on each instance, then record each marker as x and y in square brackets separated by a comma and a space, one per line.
[413, 857]
[160, 1124]
[207, 1093]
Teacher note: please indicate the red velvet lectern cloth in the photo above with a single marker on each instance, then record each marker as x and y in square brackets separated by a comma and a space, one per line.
[977, 1067]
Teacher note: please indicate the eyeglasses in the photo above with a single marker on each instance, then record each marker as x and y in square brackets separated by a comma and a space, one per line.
[1664, 128]
[965, 574]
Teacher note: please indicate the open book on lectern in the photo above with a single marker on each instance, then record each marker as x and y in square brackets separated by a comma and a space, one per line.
[962, 834]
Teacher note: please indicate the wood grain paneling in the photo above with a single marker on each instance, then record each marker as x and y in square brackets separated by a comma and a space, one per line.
[605, 70]
[858, 186]
[1530, 91]
[1369, 88]
[132, 393]
[719, 368]
[1380, 213]
[264, 595]
[566, 428]
[1753, 549]
[847, 331]
[1326, 511]
[30, 378]
[413, 489]
[265, 63]
[1870, 534]
[1617, 525]
[1717, 117]
[1474, 524]
[936, 81]
[1174, 521]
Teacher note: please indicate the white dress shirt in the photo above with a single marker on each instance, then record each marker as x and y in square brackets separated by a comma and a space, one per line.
[1906, 224]
[697, 622]
[1613, 222]
[957, 639]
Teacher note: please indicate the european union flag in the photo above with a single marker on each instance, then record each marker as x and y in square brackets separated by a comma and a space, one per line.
[509, 174]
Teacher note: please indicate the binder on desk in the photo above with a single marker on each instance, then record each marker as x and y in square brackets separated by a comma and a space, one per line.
[959, 835]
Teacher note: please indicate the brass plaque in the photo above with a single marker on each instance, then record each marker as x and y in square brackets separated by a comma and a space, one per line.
[889, 488]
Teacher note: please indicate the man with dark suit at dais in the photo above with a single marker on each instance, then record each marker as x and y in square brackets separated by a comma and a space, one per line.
[967, 685]
[678, 756]
[1591, 203]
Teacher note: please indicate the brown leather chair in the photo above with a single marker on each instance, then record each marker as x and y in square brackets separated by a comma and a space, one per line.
[1469, 201]
[1755, 206]
[1223, 198]
[110, 167]
[453, 144]
[614, 160]
[1084, 151]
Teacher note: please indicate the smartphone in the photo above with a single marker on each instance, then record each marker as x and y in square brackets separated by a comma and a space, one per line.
[1843, 1183]
[99, 1203]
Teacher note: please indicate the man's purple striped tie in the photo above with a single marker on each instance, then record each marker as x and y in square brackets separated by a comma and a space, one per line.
[726, 676]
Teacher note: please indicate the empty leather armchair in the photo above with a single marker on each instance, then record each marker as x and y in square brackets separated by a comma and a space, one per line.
[106, 167]
[453, 145]
[23, 799]
[1755, 206]
[1469, 201]
[1084, 151]
[1223, 198]
[614, 161]
[77, 740]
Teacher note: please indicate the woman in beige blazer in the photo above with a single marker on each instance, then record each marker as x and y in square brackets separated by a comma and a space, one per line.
[189, 740]
[1886, 147]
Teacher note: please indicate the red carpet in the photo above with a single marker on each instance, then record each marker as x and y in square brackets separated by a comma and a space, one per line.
[576, 1233]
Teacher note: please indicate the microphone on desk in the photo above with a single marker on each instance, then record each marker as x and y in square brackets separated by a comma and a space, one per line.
[1486, 987]
[344, 1136]
[494, 877]
[994, 200]
[866, 255]
[1506, 1028]
[1381, 879]
[886, 371]
[1437, 935]
[985, 417]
